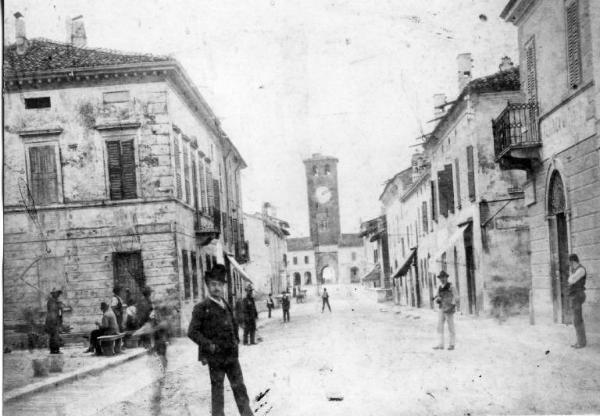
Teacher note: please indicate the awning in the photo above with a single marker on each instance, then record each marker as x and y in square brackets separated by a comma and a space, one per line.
[451, 241]
[405, 265]
[373, 275]
[237, 266]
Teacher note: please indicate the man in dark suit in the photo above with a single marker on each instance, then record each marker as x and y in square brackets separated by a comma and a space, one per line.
[285, 305]
[214, 328]
[250, 316]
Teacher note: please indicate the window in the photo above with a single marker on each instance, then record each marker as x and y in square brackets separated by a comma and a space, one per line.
[375, 256]
[433, 201]
[195, 183]
[208, 264]
[530, 62]
[305, 259]
[471, 173]
[186, 275]
[295, 260]
[194, 275]
[177, 156]
[186, 173]
[210, 198]
[202, 180]
[573, 44]
[446, 191]
[353, 256]
[425, 219]
[121, 169]
[43, 175]
[285, 259]
[37, 102]
[403, 250]
[458, 199]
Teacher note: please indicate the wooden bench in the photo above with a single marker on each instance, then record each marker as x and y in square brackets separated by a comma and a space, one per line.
[111, 344]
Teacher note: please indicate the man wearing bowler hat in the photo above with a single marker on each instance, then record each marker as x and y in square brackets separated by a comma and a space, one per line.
[447, 299]
[214, 328]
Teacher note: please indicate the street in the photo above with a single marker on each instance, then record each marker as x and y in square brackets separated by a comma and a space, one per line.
[372, 359]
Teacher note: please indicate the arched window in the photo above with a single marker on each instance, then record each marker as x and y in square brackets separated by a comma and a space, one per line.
[307, 278]
[556, 197]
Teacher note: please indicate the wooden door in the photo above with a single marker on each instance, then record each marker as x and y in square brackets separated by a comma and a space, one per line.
[129, 272]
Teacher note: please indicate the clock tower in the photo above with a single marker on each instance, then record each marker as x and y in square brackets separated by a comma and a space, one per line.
[323, 200]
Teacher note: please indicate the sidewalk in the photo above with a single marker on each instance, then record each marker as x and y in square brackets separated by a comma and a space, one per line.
[18, 372]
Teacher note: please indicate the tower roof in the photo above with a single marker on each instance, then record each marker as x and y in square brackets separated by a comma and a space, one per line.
[318, 157]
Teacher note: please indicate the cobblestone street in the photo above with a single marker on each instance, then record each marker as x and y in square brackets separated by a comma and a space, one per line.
[378, 358]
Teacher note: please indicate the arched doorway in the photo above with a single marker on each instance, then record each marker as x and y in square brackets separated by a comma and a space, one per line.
[559, 248]
[354, 275]
[307, 278]
[297, 279]
[327, 275]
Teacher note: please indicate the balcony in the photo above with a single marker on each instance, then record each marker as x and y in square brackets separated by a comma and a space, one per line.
[207, 229]
[516, 136]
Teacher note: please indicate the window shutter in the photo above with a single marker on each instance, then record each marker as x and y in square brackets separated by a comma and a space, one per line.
[217, 203]
[433, 201]
[202, 177]
[128, 169]
[449, 187]
[186, 173]
[177, 155]
[195, 184]
[425, 219]
[186, 275]
[44, 177]
[458, 198]
[471, 173]
[573, 45]
[442, 193]
[114, 169]
[531, 71]
[194, 274]
[209, 190]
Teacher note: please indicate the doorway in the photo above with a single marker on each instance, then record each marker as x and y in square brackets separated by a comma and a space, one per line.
[559, 250]
[470, 265]
[327, 275]
[297, 279]
[128, 273]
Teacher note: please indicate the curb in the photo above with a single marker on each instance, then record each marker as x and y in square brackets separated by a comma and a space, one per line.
[56, 381]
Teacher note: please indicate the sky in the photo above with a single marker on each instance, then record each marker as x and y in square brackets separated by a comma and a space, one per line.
[352, 79]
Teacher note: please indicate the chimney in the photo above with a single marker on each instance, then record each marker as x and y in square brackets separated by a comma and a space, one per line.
[465, 66]
[506, 63]
[20, 36]
[76, 32]
[438, 104]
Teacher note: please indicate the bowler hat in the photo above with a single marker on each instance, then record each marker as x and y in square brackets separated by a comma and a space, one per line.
[442, 275]
[57, 291]
[218, 273]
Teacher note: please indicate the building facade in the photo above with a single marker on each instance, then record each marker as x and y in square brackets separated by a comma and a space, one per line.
[559, 49]
[116, 173]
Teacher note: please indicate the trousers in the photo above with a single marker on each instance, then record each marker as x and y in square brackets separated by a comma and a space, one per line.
[249, 330]
[577, 300]
[231, 368]
[270, 309]
[94, 343]
[446, 317]
[286, 315]
[54, 340]
[325, 302]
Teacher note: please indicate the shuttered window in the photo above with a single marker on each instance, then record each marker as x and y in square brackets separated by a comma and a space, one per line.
[531, 67]
[202, 179]
[121, 169]
[195, 184]
[177, 155]
[217, 203]
[457, 171]
[210, 191]
[425, 219]
[433, 201]
[442, 199]
[471, 173]
[573, 44]
[186, 173]
[186, 275]
[194, 274]
[446, 190]
[43, 174]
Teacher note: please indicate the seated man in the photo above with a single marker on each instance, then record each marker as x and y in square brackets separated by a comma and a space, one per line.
[108, 326]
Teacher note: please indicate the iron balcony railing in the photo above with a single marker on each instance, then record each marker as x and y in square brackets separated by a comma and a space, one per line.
[516, 127]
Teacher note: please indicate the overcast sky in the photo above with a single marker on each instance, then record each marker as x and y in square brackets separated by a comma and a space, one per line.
[351, 79]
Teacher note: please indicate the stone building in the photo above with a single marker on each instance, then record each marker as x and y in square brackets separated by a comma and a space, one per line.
[336, 257]
[116, 173]
[374, 234]
[557, 145]
[267, 246]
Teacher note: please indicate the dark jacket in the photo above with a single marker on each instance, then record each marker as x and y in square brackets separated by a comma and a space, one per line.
[285, 303]
[211, 324]
[249, 310]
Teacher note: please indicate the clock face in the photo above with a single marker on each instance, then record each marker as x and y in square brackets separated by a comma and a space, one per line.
[323, 194]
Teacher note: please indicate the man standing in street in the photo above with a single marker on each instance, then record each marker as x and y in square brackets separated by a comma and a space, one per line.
[54, 321]
[250, 316]
[325, 297]
[270, 304]
[214, 328]
[447, 299]
[285, 306]
[577, 297]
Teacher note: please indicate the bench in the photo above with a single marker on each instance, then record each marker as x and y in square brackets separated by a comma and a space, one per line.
[111, 344]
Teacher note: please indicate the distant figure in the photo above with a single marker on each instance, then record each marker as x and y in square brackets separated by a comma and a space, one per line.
[325, 297]
[116, 304]
[214, 328]
[285, 306]
[447, 299]
[577, 297]
[144, 314]
[270, 304]
[250, 316]
[130, 321]
[54, 321]
[108, 326]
